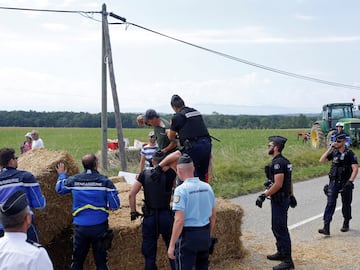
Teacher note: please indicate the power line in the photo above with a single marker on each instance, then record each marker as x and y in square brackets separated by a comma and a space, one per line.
[51, 10]
[279, 71]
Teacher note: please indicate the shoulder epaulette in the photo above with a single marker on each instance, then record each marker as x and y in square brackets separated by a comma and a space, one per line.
[35, 244]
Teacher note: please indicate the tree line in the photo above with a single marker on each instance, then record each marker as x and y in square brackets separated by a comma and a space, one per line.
[93, 120]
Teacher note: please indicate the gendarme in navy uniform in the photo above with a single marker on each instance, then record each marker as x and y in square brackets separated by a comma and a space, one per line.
[280, 191]
[343, 171]
[15, 251]
[193, 134]
[158, 218]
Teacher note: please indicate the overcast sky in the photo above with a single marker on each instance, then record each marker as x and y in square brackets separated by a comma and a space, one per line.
[52, 61]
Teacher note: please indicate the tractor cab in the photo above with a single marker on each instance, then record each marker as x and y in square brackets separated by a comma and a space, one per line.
[333, 113]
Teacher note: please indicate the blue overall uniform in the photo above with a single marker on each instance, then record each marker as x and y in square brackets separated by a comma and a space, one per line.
[280, 204]
[194, 137]
[336, 133]
[158, 217]
[196, 199]
[93, 196]
[340, 173]
[11, 180]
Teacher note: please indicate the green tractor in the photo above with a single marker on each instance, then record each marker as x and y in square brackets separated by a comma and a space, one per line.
[322, 130]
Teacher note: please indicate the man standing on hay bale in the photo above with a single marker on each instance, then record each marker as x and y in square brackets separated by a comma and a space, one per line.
[15, 251]
[12, 180]
[193, 134]
[158, 219]
[280, 191]
[93, 196]
[195, 216]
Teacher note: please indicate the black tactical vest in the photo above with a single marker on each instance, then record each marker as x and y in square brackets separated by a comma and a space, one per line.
[194, 126]
[157, 190]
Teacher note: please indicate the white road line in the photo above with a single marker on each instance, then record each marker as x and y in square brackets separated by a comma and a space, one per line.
[308, 220]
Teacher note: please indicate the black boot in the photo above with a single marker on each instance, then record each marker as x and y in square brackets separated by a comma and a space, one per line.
[286, 264]
[326, 229]
[278, 256]
[345, 226]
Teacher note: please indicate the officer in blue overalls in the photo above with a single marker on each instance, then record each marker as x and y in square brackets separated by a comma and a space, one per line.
[189, 125]
[195, 216]
[158, 218]
[280, 192]
[344, 169]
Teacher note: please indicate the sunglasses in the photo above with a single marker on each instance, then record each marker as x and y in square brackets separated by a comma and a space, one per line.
[339, 141]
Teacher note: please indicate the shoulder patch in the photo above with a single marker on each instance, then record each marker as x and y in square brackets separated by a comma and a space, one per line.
[35, 244]
[176, 199]
[276, 166]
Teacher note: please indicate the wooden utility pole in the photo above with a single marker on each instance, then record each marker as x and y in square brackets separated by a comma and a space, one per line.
[104, 118]
[114, 92]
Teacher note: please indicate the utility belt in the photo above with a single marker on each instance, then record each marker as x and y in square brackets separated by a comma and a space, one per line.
[148, 211]
[191, 228]
[189, 142]
[337, 181]
[279, 197]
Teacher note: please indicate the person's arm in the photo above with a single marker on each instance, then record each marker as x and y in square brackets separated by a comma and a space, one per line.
[212, 221]
[170, 161]
[324, 156]
[278, 182]
[176, 231]
[142, 163]
[135, 188]
[170, 146]
[171, 135]
[355, 169]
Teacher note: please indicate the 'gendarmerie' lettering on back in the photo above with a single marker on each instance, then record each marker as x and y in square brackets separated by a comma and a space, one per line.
[194, 126]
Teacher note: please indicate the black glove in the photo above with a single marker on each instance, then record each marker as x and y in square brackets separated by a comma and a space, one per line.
[326, 189]
[293, 202]
[260, 200]
[134, 215]
[349, 185]
[213, 241]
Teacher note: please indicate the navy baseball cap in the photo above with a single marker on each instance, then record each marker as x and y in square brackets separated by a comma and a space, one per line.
[14, 204]
[340, 137]
[185, 158]
[150, 114]
[277, 139]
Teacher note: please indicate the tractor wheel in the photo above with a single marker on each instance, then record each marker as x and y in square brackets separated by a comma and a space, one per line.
[317, 137]
[328, 137]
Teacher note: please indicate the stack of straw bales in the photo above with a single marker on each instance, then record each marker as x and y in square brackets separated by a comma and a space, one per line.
[56, 216]
[54, 222]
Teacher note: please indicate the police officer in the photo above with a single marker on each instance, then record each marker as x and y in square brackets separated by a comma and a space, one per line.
[158, 219]
[12, 180]
[93, 196]
[195, 216]
[340, 130]
[189, 125]
[15, 251]
[280, 192]
[343, 171]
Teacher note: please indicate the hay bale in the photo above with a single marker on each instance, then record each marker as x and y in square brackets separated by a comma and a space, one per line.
[126, 247]
[56, 216]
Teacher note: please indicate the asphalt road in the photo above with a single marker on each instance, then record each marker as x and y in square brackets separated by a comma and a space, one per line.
[304, 220]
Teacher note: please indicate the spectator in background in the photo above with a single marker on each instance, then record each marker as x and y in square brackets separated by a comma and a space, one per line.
[15, 251]
[166, 145]
[37, 141]
[147, 151]
[27, 145]
[12, 180]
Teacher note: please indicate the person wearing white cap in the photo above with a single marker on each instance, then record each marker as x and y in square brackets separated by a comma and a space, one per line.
[15, 251]
[27, 145]
[340, 130]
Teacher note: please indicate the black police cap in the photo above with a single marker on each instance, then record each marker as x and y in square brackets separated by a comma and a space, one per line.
[158, 156]
[184, 159]
[150, 114]
[340, 137]
[14, 204]
[277, 139]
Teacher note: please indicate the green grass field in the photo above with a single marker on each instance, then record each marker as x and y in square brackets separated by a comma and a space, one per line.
[238, 160]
